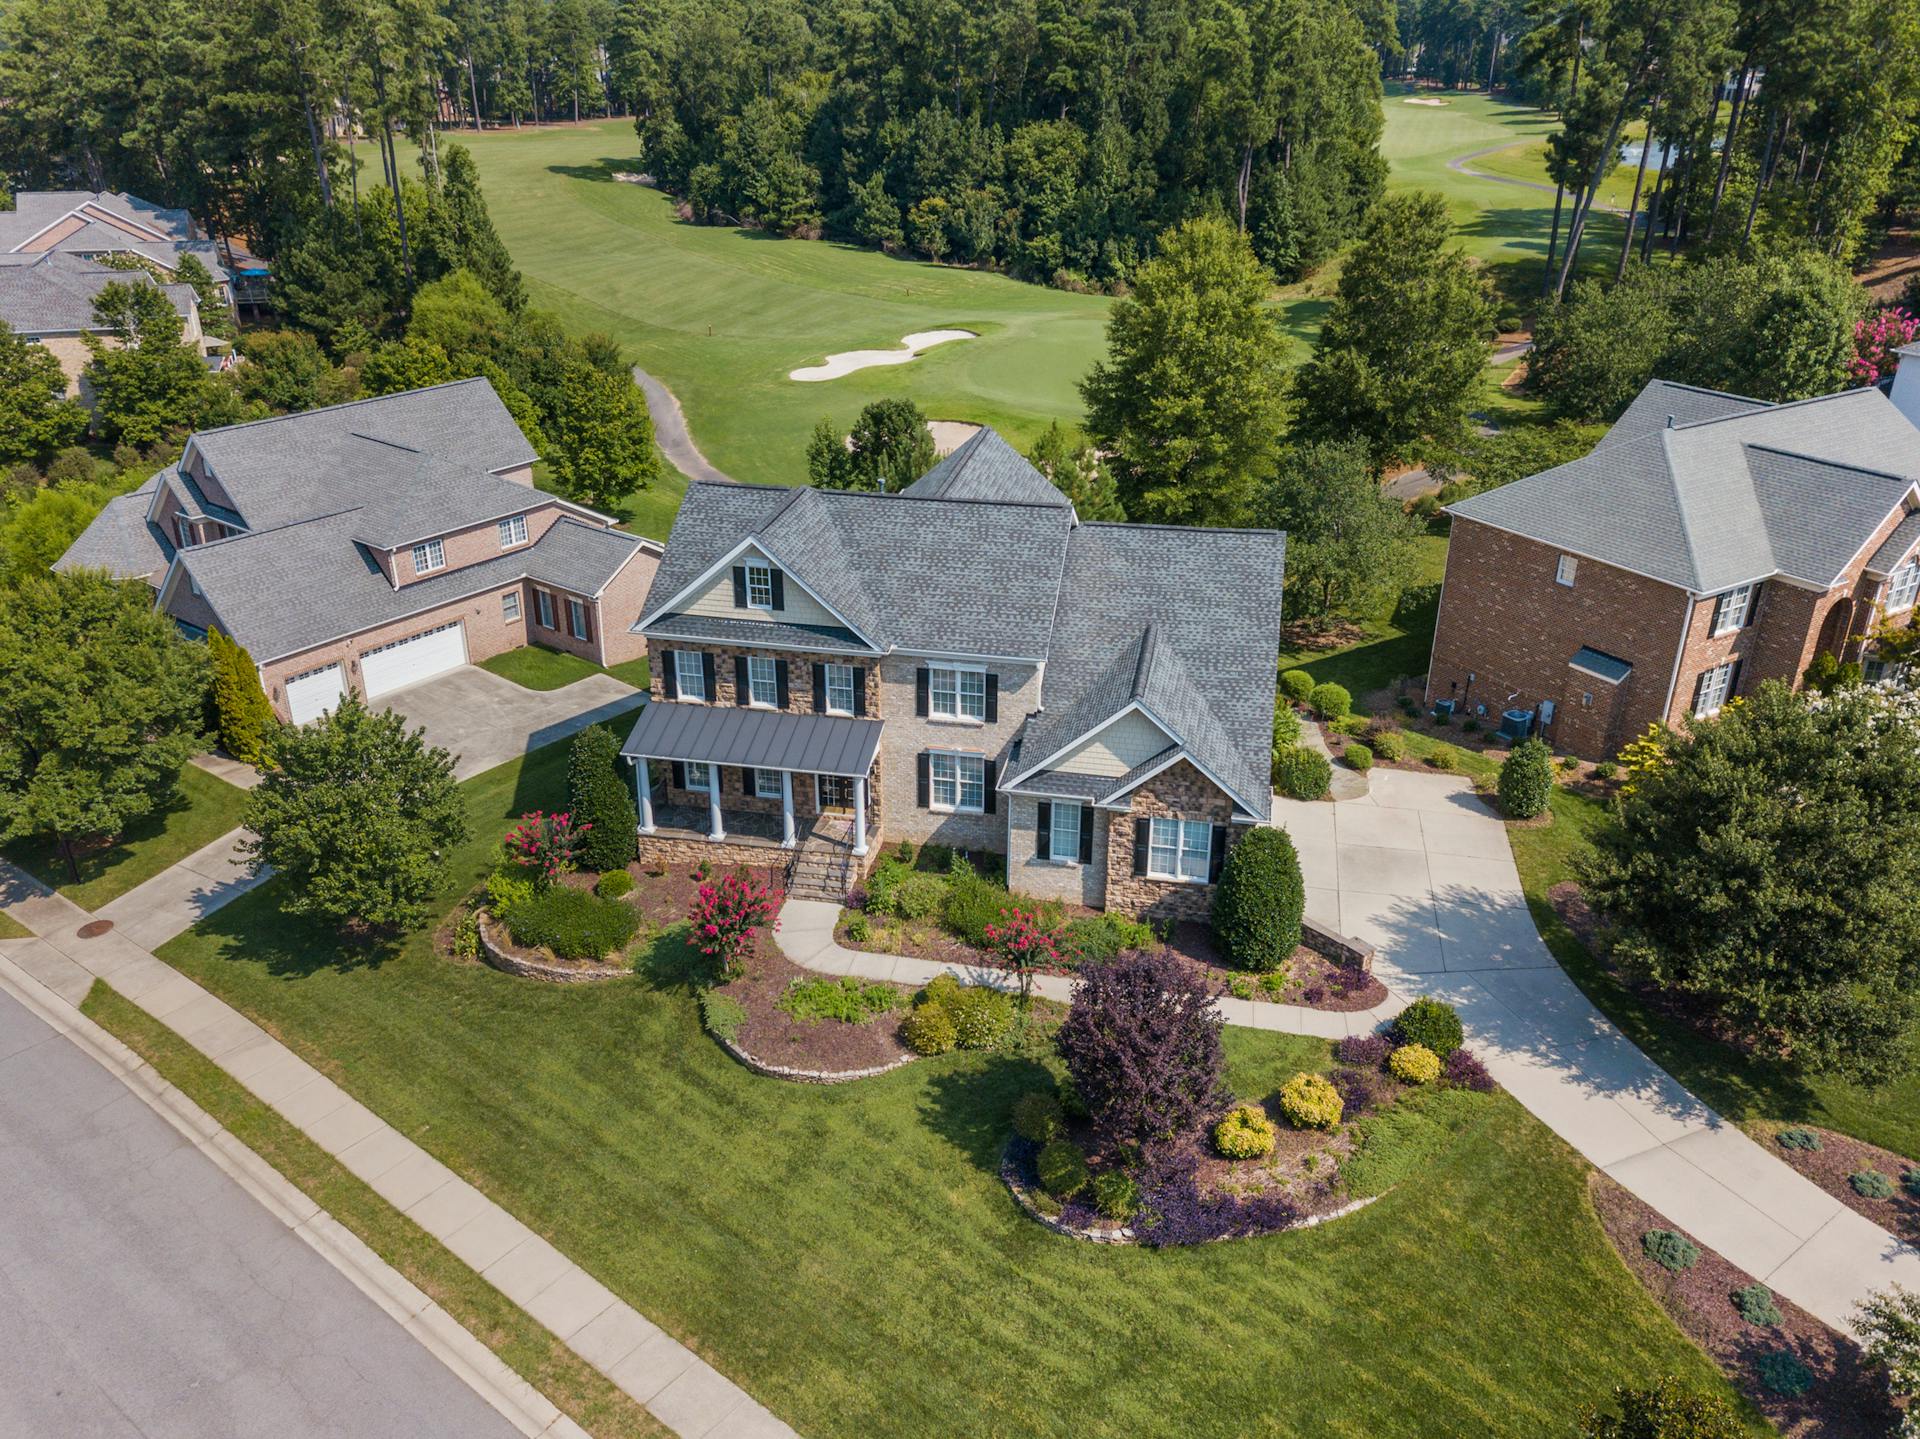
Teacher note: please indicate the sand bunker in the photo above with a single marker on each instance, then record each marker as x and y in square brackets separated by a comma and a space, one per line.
[950, 435]
[1421, 100]
[846, 362]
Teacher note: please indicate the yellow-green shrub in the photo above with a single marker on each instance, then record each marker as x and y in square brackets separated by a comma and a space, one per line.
[1245, 1133]
[928, 1030]
[1414, 1064]
[1310, 1101]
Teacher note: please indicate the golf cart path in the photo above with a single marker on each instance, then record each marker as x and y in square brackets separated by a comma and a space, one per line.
[670, 432]
[1460, 163]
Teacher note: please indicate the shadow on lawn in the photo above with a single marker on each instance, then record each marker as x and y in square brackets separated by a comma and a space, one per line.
[971, 1107]
[255, 930]
[600, 171]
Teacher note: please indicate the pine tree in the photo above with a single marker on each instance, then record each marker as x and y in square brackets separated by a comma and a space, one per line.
[597, 795]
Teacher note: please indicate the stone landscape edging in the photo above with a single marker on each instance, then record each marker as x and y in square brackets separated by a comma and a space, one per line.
[507, 963]
[807, 1076]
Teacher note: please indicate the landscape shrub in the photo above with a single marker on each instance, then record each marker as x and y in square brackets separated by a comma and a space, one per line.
[1443, 758]
[1353, 726]
[1669, 1249]
[1358, 757]
[545, 845]
[1286, 727]
[1174, 1212]
[1465, 1071]
[1756, 1306]
[1606, 769]
[859, 929]
[882, 882]
[845, 1000]
[725, 918]
[1101, 936]
[1368, 1049]
[1871, 1184]
[465, 943]
[1359, 1091]
[1142, 1042]
[1330, 701]
[613, 884]
[1071, 1102]
[919, 895]
[722, 1013]
[1910, 1182]
[1470, 726]
[1116, 1194]
[1297, 685]
[1669, 1410]
[973, 902]
[1063, 1169]
[1526, 780]
[507, 891]
[1310, 1101]
[1390, 745]
[1798, 1138]
[1781, 1372]
[1414, 1064]
[573, 923]
[1244, 1133]
[1430, 1022]
[1301, 773]
[980, 1016]
[928, 1030]
[1039, 1116]
[600, 798]
[1259, 902]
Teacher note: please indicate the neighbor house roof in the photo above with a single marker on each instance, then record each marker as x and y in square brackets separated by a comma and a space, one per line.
[986, 467]
[1610, 668]
[122, 541]
[1760, 490]
[89, 222]
[53, 293]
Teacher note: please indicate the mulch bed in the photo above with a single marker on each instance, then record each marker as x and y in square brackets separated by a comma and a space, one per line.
[828, 1046]
[1313, 981]
[1848, 1399]
[916, 939]
[1841, 1155]
[663, 897]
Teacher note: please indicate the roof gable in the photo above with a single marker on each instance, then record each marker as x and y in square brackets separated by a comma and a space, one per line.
[986, 467]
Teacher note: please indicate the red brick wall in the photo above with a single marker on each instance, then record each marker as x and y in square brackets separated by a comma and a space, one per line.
[620, 607]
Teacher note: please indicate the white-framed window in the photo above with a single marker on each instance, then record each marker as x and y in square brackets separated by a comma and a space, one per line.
[957, 782]
[957, 694]
[577, 619]
[759, 585]
[690, 675]
[429, 555]
[699, 776]
[1179, 849]
[1063, 834]
[543, 610]
[1903, 587]
[1731, 610]
[183, 531]
[766, 783]
[1564, 572]
[839, 689]
[513, 531]
[510, 607]
[763, 683]
[1712, 690]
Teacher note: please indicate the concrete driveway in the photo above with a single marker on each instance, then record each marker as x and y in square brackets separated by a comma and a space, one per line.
[486, 720]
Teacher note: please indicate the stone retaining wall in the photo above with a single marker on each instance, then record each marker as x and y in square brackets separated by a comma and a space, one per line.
[501, 958]
[1349, 953]
[808, 1076]
[671, 850]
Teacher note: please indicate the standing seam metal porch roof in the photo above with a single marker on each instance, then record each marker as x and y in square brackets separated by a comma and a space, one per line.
[754, 738]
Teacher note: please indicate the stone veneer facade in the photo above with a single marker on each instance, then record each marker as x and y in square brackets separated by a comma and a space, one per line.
[1180, 792]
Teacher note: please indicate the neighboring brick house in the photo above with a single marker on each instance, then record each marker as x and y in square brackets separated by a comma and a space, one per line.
[373, 545]
[1707, 543]
[87, 224]
[48, 298]
[966, 663]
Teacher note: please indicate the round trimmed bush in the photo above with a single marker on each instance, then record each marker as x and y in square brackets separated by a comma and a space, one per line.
[1430, 1022]
[1039, 1117]
[1330, 701]
[1782, 1373]
[1286, 727]
[1443, 758]
[919, 895]
[573, 923]
[980, 1016]
[1670, 1250]
[1063, 1169]
[1606, 769]
[1526, 779]
[1297, 685]
[1798, 1138]
[1245, 1133]
[1871, 1184]
[1414, 1064]
[1353, 726]
[1358, 757]
[1310, 1101]
[1116, 1195]
[1389, 745]
[1756, 1306]
[613, 884]
[1668, 1410]
[1301, 773]
[928, 1030]
[1259, 902]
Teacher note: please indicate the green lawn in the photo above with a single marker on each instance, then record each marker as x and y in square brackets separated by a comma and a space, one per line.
[1391, 647]
[202, 810]
[11, 928]
[536, 667]
[850, 1254]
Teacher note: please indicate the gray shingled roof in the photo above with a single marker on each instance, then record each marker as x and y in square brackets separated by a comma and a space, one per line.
[1663, 402]
[35, 210]
[341, 591]
[1791, 489]
[986, 467]
[53, 293]
[1608, 667]
[121, 541]
[757, 739]
[710, 629]
[1904, 537]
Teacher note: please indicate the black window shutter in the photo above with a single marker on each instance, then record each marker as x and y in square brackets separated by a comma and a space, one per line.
[586, 618]
[1217, 853]
[1733, 680]
[1086, 835]
[670, 675]
[1142, 839]
[746, 782]
[925, 779]
[819, 689]
[921, 679]
[1720, 611]
[1753, 605]
[739, 587]
[993, 698]
[781, 692]
[991, 777]
[679, 775]
[779, 590]
[1043, 832]
[706, 673]
[859, 694]
[1699, 685]
[742, 690]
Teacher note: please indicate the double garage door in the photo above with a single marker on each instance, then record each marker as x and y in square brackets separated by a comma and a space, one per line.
[404, 662]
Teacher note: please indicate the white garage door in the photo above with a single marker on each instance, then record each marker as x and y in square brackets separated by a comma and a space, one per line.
[312, 694]
[409, 661]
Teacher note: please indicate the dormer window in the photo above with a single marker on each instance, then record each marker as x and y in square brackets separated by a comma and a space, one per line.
[513, 531]
[759, 585]
[428, 556]
[1904, 587]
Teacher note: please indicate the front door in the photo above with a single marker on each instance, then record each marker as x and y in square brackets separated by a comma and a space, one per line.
[834, 792]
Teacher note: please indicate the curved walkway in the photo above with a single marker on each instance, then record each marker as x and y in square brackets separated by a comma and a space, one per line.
[671, 434]
[1460, 164]
[1420, 867]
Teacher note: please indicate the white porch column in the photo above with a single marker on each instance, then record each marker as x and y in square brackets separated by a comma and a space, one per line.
[715, 829]
[643, 792]
[786, 809]
[860, 816]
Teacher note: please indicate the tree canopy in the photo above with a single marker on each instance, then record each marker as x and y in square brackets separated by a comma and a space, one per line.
[1349, 544]
[36, 417]
[888, 448]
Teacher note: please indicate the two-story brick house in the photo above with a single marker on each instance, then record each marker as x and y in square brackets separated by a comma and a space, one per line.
[1707, 543]
[968, 663]
[371, 545]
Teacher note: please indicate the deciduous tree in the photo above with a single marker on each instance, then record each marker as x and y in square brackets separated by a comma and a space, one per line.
[1349, 545]
[600, 438]
[1142, 1042]
[36, 417]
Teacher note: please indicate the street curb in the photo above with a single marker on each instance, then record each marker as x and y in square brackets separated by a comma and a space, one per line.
[483, 1371]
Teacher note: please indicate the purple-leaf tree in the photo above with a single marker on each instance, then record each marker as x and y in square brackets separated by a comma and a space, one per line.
[1142, 1042]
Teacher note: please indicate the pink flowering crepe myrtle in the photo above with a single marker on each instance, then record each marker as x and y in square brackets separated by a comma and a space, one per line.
[726, 916]
[1876, 338]
[1021, 945]
[546, 844]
